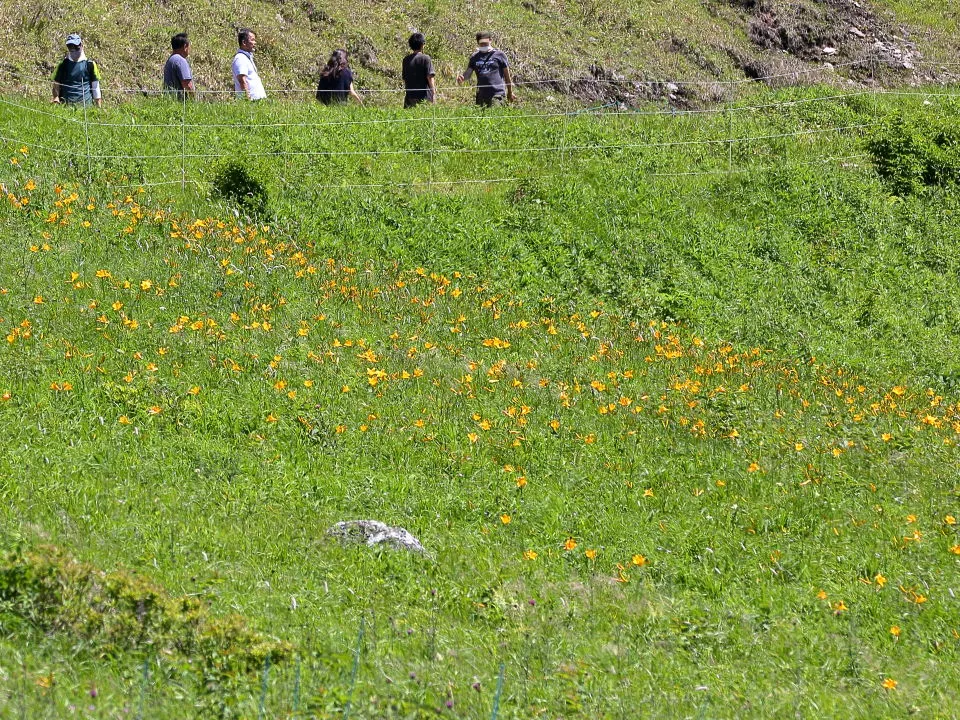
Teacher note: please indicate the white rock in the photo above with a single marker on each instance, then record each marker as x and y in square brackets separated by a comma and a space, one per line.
[828, 51]
[373, 533]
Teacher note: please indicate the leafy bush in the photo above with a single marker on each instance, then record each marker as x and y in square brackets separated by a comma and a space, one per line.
[910, 157]
[118, 611]
[235, 183]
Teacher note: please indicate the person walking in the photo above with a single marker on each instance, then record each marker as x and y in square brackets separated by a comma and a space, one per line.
[418, 74]
[493, 73]
[246, 79]
[177, 76]
[76, 79]
[336, 80]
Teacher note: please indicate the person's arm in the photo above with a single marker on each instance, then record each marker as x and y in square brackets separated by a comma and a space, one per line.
[57, 87]
[95, 86]
[354, 95]
[432, 84]
[186, 79]
[508, 81]
[240, 70]
[465, 75]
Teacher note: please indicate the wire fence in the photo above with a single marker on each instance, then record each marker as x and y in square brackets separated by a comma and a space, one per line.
[827, 72]
[609, 110]
[797, 75]
[553, 148]
[420, 148]
[185, 138]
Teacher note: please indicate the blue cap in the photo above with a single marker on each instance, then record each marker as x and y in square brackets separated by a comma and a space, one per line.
[74, 39]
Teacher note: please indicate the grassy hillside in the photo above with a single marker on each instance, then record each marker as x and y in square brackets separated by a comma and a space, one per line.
[709, 40]
[671, 400]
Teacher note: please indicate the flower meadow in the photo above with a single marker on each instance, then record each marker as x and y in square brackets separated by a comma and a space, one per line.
[627, 513]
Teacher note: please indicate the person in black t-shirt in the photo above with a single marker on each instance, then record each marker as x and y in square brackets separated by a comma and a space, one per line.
[336, 80]
[418, 75]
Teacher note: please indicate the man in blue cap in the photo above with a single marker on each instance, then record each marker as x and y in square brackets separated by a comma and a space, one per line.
[76, 79]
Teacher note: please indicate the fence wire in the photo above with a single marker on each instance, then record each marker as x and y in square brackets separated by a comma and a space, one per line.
[561, 151]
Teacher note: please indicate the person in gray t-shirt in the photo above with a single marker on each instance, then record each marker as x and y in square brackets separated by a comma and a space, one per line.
[492, 71]
[177, 76]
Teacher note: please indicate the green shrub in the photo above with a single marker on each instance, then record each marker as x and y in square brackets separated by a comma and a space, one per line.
[233, 182]
[911, 157]
[118, 612]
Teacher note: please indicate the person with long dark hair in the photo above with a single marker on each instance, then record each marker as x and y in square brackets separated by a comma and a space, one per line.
[336, 80]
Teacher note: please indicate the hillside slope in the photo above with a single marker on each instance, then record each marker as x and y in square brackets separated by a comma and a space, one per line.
[676, 419]
[585, 44]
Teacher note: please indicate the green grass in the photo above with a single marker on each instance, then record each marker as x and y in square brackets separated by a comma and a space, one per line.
[939, 15]
[747, 377]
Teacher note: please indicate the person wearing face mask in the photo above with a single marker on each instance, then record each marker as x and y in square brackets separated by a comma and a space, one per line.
[76, 79]
[493, 73]
[246, 79]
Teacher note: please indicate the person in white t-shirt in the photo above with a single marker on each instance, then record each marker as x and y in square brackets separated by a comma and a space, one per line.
[246, 79]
